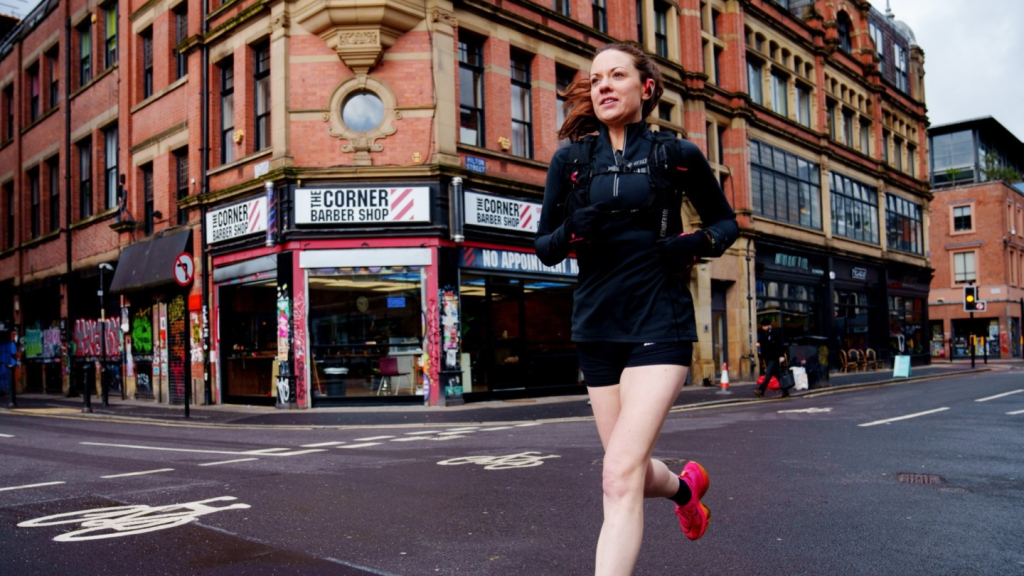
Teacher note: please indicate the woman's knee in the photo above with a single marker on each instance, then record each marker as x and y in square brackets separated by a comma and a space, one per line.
[623, 479]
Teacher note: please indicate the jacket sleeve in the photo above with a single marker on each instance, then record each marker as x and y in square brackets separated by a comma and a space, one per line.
[698, 181]
[551, 243]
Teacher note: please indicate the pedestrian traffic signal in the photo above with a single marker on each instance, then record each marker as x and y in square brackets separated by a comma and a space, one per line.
[970, 298]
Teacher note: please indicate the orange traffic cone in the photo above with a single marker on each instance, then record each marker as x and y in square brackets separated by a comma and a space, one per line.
[724, 382]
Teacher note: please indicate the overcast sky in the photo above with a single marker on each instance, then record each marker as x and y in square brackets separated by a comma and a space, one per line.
[973, 57]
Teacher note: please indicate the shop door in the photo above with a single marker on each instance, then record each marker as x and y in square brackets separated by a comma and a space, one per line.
[248, 341]
[1015, 337]
[719, 328]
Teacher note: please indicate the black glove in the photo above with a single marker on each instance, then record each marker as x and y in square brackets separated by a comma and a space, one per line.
[681, 252]
[585, 224]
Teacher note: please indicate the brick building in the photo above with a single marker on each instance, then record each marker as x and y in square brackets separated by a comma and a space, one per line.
[358, 187]
[977, 238]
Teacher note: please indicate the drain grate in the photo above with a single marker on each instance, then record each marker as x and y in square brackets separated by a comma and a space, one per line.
[914, 478]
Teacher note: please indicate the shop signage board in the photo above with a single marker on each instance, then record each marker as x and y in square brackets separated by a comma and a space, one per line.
[503, 213]
[509, 261]
[901, 367]
[361, 205]
[242, 219]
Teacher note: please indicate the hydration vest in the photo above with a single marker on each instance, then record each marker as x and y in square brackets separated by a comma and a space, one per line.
[664, 156]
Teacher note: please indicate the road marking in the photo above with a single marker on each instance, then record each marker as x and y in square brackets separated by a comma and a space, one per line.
[197, 451]
[229, 461]
[372, 438]
[363, 445]
[423, 433]
[528, 424]
[267, 451]
[999, 396]
[139, 473]
[886, 421]
[30, 486]
[410, 439]
[521, 460]
[1015, 413]
[433, 439]
[6, 435]
[496, 428]
[463, 429]
[321, 444]
[806, 410]
[453, 433]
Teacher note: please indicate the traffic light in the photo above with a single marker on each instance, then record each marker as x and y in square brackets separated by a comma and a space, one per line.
[970, 298]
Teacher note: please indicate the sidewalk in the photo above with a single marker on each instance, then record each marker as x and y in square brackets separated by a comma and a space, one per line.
[482, 412]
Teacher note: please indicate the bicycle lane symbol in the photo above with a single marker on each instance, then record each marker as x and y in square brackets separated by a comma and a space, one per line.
[521, 460]
[121, 521]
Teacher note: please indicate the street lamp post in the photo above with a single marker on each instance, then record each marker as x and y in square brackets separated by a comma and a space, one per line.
[104, 387]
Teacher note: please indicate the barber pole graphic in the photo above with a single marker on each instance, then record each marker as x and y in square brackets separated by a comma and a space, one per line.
[402, 204]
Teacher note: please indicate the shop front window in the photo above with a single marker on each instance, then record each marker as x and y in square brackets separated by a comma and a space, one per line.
[791, 306]
[365, 330]
[516, 334]
[906, 325]
[851, 319]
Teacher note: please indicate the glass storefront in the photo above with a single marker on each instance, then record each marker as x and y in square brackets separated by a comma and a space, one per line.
[906, 326]
[851, 319]
[248, 342]
[516, 334]
[791, 306]
[365, 331]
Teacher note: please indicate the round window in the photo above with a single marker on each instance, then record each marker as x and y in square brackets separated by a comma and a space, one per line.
[362, 111]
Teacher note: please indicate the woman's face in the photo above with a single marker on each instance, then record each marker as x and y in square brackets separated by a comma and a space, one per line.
[616, 89]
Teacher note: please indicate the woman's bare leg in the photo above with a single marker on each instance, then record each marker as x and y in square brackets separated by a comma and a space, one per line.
[629, 418]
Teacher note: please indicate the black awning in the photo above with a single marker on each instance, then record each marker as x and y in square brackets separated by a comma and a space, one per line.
[151, 263]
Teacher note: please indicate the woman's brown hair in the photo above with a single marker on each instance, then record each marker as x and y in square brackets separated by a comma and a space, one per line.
[580, 118]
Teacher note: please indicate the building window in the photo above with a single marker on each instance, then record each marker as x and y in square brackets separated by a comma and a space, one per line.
[600, 13]
[830, 116]
[844, 25]
[900, 59]
[181, 170]
[640, 22]
[854, 209]
[897, 146]
[9, 194]
[848, 128]
[564, 78]
[911, 161]
[180, 35]
[84, 53]
[110, 166]
[803, 105]
[963, 268]
[785, 187]
[53, 63]
[885, 145]
[522, 117]
[471, 90]
[865, 138]
[876, 35]
[780, 100]
[754, 82]
[904, 225]
[147, 195]
[9, 112]
[53, 173]
[85, 179]
[661, 28]
[952, 157]
[32, 75]
[227, 110]
[37, 208]
[962, 219]
[562, 7]
[147, 62]
[665, 114]
[261, 76]
[110, 13]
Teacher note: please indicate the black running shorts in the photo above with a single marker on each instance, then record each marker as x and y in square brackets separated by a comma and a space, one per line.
[602, 363]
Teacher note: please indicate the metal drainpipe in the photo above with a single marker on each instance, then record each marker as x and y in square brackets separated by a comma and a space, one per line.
[204, 183]
[67, 191]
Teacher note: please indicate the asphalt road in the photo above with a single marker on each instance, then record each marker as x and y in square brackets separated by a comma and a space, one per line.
[823, 484]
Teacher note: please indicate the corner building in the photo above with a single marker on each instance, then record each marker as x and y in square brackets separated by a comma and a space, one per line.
[359, 184]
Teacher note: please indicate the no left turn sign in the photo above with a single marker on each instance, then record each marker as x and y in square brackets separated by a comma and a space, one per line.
[184, 269]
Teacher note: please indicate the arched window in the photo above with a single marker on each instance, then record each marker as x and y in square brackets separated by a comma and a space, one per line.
[845, 25]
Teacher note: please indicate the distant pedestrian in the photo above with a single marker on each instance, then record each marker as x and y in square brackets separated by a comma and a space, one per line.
[769, 347]
[612, 197]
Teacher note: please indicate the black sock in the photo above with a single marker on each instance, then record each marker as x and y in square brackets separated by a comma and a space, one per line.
[683, 495]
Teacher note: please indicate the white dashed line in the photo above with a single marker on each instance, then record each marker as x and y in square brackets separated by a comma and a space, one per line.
[886, 421]
[453, 433]
[999, 396]
[464, 429]
[496, 428]
[528, 424]
[410, 439]
[30, 486]
[6, 435]
[263, 452]
[139, 473]
[372, 438]
[1015, 413]
[321, 444]
[229, 461]
[424, 433]
[267, 451]
[363, 445]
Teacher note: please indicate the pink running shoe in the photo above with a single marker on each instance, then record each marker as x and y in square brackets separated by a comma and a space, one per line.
[694, 516]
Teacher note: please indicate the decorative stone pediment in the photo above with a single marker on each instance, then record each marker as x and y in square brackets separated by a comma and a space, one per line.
[359, 30]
